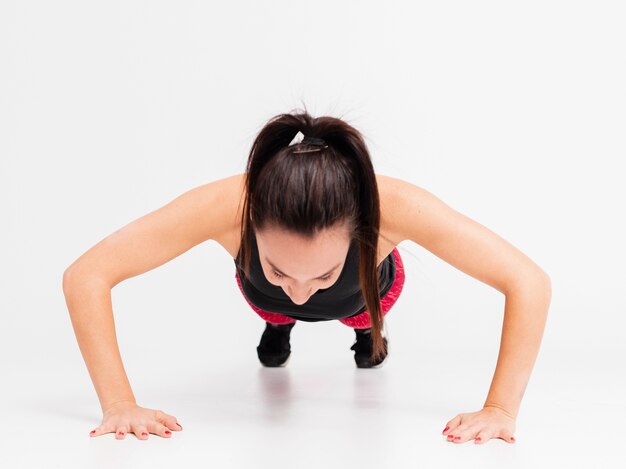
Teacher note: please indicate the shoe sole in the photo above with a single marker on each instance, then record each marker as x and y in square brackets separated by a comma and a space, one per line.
[364, 362]
[366, 365]
[380, 365]
[276, 365]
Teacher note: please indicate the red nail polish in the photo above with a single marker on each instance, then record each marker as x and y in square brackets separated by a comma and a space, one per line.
[450, 436]
[477, 438]
[457, 437]
[512, 438]
[121, 433]
[446, 429]
[167, 432]
[143, 433]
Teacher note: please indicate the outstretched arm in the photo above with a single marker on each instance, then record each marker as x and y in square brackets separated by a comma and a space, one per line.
[412, 212]
[525, 313]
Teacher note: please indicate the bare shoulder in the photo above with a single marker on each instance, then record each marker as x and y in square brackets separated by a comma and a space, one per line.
[202, 213]
[230, 211]
[394, 195]
[411, 212]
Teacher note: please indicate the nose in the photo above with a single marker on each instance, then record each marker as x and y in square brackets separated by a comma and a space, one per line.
[299, 295]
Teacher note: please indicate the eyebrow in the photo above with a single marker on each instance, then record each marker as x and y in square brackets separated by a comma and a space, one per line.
[316, 278]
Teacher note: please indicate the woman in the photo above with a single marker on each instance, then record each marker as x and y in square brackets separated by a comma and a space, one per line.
[313, 233]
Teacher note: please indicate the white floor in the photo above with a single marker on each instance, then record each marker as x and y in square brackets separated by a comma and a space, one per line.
[319, 411]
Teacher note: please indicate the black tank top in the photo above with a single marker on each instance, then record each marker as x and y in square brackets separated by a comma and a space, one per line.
[342, 299]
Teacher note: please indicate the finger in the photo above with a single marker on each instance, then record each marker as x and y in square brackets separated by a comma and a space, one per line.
[140, 431]
[464, 433]
[483, 436]
[506, 436]
[168, 420]
[454, 438]
[455, 434]
[452, 424]
[100, 430]
[120, 432]
[160, 429]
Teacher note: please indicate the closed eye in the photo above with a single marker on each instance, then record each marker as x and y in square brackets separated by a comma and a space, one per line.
[323, 279]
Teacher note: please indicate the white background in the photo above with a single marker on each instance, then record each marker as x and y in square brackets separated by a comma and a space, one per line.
[510, 112]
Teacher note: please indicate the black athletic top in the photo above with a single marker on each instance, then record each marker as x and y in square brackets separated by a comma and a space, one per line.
[342, 299]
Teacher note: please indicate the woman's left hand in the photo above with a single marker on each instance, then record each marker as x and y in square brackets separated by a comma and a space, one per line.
[487, 423]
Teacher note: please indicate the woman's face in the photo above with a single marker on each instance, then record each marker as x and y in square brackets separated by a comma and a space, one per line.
[300, 266]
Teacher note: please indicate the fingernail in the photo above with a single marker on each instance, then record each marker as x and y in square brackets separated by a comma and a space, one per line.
[143, 433]
[477, 438]
[167, 432]
[181, 427]
[512, 438]
[446, 429]
[92, 432]
[450, 436]
[121, 433]
[457, 437]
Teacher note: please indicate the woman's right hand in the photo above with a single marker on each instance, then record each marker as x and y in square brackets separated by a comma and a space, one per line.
[126, 416]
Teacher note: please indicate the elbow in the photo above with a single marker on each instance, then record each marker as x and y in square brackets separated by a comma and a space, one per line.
[68, 276]
[545, 280]
[548, 287]
[541, 286]
[81, 275]
[539, 278]
[533, 281]
[74, 274]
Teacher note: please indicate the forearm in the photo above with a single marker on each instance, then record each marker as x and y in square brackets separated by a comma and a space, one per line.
[89, 303]
[525, 314]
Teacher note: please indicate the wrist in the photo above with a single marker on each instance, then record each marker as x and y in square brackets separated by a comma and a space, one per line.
[110, 405]
[500, 408]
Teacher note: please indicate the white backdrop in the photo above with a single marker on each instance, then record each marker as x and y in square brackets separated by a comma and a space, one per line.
[510, 112]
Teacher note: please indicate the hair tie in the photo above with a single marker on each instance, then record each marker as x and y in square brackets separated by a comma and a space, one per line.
[301, 139]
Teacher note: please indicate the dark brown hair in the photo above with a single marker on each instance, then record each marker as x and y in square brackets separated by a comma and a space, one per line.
[305, 193]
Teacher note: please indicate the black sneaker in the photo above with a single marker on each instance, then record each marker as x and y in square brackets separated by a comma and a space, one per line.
[274, 348]
[363, 350]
